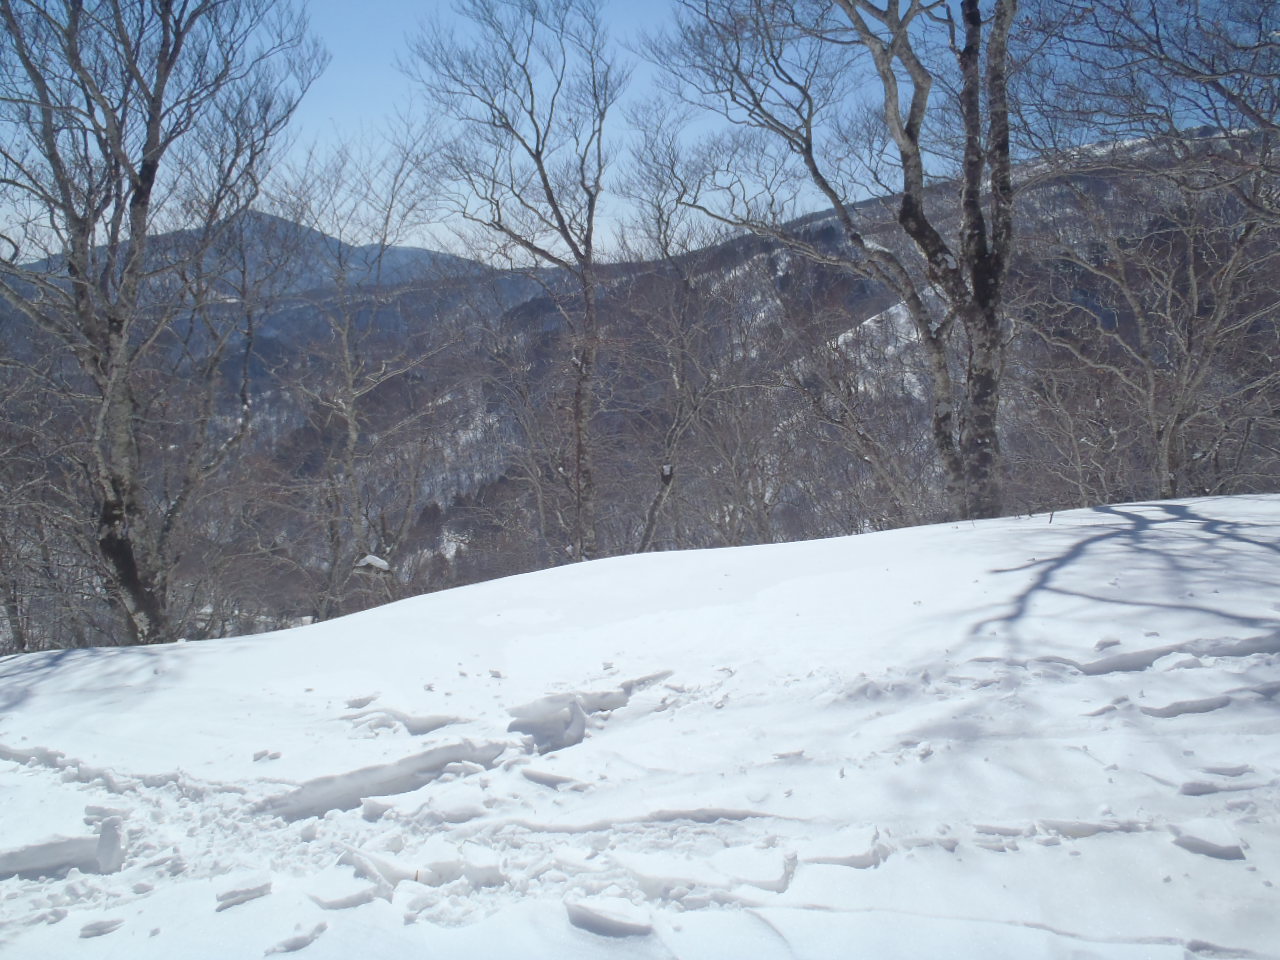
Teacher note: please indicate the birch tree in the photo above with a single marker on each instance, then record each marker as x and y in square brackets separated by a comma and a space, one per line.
[830, 102]
[528, 96]
[122, 120]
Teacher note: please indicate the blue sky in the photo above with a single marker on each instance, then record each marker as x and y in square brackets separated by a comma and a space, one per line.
[362, 86]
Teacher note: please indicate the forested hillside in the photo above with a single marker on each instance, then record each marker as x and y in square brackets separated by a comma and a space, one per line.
[855, 267]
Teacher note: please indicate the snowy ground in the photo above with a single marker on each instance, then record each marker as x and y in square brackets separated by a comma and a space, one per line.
[1042, 737]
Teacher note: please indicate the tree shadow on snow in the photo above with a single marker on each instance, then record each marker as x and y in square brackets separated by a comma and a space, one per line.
[1186, 550]
[90, 668]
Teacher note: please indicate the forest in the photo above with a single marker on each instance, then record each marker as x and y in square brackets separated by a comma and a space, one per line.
[847, 266]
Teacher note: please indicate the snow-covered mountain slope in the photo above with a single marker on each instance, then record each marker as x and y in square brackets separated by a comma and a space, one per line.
[1039, 737]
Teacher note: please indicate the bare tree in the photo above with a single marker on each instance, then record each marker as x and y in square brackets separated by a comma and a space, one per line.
[123, 120]
[863, 383]
[677, 323]
[1197, 83]
[1150, 220]
[529, 95]
[356, 449]
[1158, 306]
[785, 73]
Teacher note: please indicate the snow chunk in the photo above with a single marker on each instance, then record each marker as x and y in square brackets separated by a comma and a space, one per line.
[553, 780]
[238, 895]
[51, 858]
[435, 864]
[99, 927]
[101, 854]
[609, 917]
[1228, 769]
[458, 802]
[1207, 705]
[336, 889]
[441, 862]
[415, 726]
[1079, 829]
[658, 875]
[110, 849]
[864, 847]
[766, 869]
[481, 866]
[383, 872]
[1209, 838]
[554, 722]
[560, 720]
[345, 791]
[290, 944]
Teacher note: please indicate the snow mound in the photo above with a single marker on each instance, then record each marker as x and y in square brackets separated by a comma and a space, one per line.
[1033, 737]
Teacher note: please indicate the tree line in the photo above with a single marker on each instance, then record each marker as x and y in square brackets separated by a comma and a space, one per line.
[851, 265]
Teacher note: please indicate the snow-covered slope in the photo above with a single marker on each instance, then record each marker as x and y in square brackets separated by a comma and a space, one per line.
[1041, 737]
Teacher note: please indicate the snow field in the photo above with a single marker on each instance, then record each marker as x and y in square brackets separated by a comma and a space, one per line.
[1038, 737]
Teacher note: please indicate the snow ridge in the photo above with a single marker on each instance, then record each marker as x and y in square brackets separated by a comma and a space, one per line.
[1035, 737]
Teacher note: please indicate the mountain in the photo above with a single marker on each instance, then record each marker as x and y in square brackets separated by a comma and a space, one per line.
[418, 407]
[1045, 736]
[299, 259]
[318, 264]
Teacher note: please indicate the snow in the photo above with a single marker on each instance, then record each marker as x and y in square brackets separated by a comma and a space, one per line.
[1050, 736]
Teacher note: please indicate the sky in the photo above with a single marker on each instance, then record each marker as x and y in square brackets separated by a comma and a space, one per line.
[362, 87]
